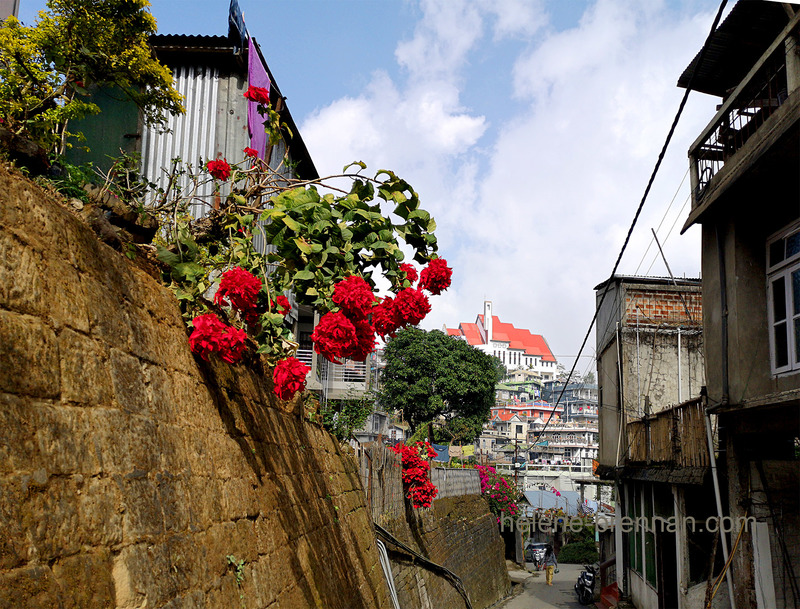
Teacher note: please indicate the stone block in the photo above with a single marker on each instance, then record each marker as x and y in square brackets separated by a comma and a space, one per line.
[85, 580]
[22, 280]
[85, 377]
[128, 378]
[108, 316]
[31, 587]
[66, 304]
[29, 356]
[64, 438]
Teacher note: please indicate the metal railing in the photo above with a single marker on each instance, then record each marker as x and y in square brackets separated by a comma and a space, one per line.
[747, 108]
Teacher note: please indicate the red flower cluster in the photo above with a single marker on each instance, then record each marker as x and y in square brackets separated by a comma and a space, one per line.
[337, 336]
[219, 169]
[416, 473]
[410, 271]
[411, 306]
[239, 289]
[210, 335]
[289, 377]
[282, 305]
[436, 276]
[354, 297]
[260, 95]
[251, 152]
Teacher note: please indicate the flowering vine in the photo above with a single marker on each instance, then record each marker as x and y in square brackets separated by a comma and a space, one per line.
[416, 473]
[501, 494]
[325, 250]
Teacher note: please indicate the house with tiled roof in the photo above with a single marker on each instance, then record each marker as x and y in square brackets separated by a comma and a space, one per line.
[515, 347]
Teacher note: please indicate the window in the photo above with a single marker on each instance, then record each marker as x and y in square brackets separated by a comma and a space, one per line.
[783, 297]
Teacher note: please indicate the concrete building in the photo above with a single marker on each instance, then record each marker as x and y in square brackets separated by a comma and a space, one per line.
[514, 347]
[745, 170]
[652, 437]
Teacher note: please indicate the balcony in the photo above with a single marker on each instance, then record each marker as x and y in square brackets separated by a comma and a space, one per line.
[674, 437]
[753, 116]
[335, 381]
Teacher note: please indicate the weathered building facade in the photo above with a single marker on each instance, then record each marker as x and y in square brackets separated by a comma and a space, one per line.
[745, 169]
[653, 437]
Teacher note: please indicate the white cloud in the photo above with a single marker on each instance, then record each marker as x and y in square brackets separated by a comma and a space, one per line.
[532, 208]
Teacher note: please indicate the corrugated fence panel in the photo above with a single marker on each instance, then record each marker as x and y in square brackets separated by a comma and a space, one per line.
[191, 135]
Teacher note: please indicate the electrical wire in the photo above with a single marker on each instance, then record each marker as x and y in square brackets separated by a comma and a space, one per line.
[661, 154]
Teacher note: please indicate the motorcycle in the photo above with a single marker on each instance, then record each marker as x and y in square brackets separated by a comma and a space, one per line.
[584, 587]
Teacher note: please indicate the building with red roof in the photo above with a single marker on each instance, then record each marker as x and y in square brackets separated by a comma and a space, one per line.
[515, 347]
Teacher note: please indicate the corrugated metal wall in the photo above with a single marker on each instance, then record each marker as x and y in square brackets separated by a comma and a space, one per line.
[191, 136]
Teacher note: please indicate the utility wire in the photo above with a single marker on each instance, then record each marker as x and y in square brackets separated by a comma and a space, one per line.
[641, 205]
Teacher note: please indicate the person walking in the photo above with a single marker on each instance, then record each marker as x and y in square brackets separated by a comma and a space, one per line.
[550, 564]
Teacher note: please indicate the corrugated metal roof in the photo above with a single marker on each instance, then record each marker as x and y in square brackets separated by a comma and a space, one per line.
[735, 46]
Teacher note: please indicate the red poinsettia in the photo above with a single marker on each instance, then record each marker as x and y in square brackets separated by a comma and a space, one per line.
[251, 152]
[365, 341]
[210, 335]
[354, 296]
[436, 276]
[219, 169]
[282, 305]
[238, 288]
[384, 318]
[410, 271]
[416, 473]
[260, 95]
[232, 345]
[334, 336]
[411, 306]
[289, 377]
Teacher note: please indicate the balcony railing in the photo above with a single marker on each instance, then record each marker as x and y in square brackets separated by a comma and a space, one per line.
[746, 109]
[676, 436]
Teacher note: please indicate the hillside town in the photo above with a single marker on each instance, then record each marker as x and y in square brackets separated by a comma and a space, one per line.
[220, 385]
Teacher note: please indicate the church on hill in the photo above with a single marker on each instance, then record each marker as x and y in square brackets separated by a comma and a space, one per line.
[515, 347]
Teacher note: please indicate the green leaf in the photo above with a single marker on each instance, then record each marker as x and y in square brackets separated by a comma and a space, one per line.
[303, 276]
[303, 246]
[189, 271]
[166, 256]
[312, 292]
[291, 223]
[356, 164]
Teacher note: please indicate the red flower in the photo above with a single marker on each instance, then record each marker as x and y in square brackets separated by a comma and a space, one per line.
[384, 318]
[365, 341]
[259, 95]
[251, 152]
[219, 169]
[238, 288]
[334, 336]
[416, 473]
[282, 305]
[232, 345]
[411, 306]
[410, 271]
[354, 296]
[210, 335]
[289, 377]
[436, 276]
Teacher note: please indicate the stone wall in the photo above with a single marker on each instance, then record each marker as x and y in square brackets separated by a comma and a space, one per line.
[457, 532]
[129, 470]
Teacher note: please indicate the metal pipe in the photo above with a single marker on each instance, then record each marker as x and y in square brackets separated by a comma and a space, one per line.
[680, 398]
[718, 498]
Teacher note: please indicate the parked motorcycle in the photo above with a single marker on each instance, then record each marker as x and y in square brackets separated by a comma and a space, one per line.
[584, 587]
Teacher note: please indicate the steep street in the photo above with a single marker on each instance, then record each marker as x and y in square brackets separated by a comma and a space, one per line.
[536, 594]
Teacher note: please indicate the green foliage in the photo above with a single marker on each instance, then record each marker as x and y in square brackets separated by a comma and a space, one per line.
[238, 568]
[70, 180]
[581, 553]
[344, 417]
[48, 70]
[430, 374]
[317, 241]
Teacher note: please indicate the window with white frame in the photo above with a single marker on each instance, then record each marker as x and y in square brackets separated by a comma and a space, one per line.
[783, 295]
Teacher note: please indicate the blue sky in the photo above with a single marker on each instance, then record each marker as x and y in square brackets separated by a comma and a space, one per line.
[529, 128]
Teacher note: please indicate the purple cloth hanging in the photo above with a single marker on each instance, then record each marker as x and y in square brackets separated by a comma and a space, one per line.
[256, 77]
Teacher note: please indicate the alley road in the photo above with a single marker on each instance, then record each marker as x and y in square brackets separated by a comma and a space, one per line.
[538, 595]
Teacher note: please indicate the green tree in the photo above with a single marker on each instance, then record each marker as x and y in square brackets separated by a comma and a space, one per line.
[47, 70]
[430, 374]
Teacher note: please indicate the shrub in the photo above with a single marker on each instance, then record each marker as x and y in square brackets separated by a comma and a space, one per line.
[583, 553]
